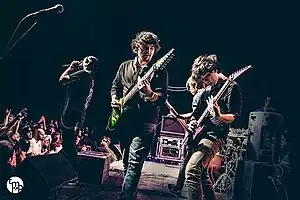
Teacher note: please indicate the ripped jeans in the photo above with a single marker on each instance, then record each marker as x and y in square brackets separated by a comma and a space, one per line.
[198, 180]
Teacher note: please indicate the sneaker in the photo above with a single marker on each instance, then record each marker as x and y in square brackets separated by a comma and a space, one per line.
[173, 189]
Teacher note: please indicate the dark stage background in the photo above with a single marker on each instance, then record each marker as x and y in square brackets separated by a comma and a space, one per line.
[240, 34]
[260, 34]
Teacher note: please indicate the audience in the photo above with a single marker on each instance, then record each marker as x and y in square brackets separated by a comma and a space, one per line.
[55, 144]
[21, 137]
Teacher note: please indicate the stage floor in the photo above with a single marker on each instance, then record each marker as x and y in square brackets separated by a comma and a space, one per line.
[154, 180]
[153, 184]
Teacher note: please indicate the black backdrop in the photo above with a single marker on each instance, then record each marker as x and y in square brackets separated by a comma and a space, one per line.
[240, 34]
[258, 33]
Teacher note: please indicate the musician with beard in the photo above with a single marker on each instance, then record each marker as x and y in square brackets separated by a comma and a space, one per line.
[78, 79]
[216, 126]
[136, 130]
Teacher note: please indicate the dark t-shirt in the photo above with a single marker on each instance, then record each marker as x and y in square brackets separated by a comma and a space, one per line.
[142, 111]
[78, 96]
[230, 103]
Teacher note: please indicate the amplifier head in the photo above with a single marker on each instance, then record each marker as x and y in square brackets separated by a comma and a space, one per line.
[171, 126]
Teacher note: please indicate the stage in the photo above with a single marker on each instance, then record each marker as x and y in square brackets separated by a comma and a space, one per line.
[153, 184]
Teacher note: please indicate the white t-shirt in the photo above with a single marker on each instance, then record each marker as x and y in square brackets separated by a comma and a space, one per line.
[35, 147]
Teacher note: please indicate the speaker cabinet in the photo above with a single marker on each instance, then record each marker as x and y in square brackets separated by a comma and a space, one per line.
[171, 126]
[253, 181]
[265, 129]
[44, 174]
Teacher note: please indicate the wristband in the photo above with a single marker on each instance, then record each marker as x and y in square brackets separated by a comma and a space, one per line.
[152, 97]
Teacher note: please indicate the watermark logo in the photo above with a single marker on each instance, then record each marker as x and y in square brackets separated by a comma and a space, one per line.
[14, 185]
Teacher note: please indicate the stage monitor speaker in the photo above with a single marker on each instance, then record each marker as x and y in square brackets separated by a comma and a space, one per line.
[265, 129]
[93, 167]
[171, 126]
[44, 174]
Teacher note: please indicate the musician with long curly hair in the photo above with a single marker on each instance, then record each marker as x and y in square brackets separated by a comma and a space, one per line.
[139, 126]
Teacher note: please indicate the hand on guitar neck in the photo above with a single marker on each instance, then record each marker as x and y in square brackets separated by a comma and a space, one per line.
[144, 86]
[115, 103]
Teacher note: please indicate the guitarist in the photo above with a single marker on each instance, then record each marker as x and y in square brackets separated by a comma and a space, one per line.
[216, 126]
[139, 126]
[196, 89]
[78, 79]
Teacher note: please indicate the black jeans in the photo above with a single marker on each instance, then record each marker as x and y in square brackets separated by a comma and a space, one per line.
[198, 180]
[135, 153]
[70, 121]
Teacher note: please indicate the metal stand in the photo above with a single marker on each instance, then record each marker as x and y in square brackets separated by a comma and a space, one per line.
[7, 49]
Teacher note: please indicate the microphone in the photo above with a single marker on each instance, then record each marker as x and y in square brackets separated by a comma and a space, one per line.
[57, 8]
[67, 65]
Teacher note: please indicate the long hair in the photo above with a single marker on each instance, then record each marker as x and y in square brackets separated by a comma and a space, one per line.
[206, 63]
[145, 38]
[192, 85]
[203, 64]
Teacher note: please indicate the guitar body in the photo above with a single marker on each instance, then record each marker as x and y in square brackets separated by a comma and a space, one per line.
[115, 116]
[198, 131]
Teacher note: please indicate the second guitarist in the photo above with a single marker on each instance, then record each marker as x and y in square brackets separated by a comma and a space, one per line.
[138, 126]
[206, 70]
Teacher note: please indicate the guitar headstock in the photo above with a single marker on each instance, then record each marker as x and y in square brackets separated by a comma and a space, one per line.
[162, 62]
[236, 74]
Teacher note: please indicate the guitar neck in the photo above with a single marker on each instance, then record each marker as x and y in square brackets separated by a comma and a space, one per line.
[229, 80]
[135, 88]
[162, 62]
[216, 99]
[181, 121]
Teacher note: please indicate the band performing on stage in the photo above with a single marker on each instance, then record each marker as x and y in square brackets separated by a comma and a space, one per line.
[202, 142]
[138, 92]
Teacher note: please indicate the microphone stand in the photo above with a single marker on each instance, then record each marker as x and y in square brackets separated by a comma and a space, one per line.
[6, 50]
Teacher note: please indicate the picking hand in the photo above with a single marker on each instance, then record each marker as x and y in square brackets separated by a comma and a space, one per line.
[115, 103]
[210, 106]
[192, 125]
[144, 86]
[213, 107]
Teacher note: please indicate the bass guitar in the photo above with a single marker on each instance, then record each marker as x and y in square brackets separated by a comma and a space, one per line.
[117, 113]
